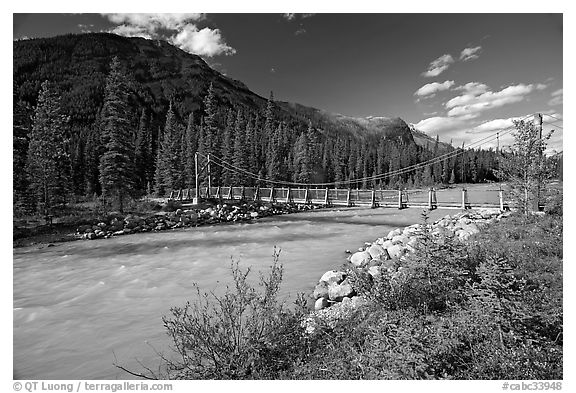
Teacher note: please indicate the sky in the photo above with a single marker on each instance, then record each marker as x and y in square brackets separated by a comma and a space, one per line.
[462, 77]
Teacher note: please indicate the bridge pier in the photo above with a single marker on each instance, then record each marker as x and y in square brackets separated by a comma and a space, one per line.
[465, 202]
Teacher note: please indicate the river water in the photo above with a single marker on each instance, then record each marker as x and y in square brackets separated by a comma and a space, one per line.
[81, 306]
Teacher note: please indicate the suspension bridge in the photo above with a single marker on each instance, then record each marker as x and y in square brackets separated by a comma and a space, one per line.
[334, 194]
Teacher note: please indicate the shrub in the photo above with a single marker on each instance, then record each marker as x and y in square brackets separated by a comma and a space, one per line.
[172, 205]
[243, 334]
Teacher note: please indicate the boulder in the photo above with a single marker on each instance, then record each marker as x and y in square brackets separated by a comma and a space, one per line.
[336, 292]
[393, 233]
[321, 290]
[360, 258]
[374, 271]
[400, 239]
[333, 276]
[376, 251]
[321, 303]
[396, 250]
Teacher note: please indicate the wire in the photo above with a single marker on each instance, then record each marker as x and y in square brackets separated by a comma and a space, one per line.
[226, 165]
[554, 117]
[554, 125]
[400, 171]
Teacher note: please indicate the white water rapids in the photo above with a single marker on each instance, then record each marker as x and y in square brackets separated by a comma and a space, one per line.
[79, 305]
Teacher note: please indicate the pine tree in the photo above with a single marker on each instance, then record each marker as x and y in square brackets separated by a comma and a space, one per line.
[227, 148]
[116, 164]
[48, 160]
[302, 160]
[143, 153]
[239, 156]
[168, 164]
[274, 159]
[191, 144]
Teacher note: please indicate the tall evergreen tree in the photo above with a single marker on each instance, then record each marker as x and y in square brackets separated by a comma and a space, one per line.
[168, 165]
[227, 148]
[191, 147]
[143, 153]
[239, 156]
[48, 160]
[274, 162]
[116, 164]
[302, 160]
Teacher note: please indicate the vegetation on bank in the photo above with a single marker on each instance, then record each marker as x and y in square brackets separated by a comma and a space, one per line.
[487, 309]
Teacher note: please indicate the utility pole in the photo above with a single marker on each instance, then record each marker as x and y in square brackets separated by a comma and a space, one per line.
[538, 125]
[196, 199]
[209, 177]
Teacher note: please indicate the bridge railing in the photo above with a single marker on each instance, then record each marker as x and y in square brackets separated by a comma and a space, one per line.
[432, 198]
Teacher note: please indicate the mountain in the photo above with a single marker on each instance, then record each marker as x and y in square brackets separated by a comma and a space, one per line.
[78, 65]
[426, 141]
[282, 142]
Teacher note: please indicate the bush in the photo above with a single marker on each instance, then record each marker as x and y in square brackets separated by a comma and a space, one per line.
[243, 334]
[172, 205]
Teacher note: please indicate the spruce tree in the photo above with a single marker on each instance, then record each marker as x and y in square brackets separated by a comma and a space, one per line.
[48, 160]
[302, 160]
[117, 162]
[191, 147]
[143, 153]
[227, 149]
[168, 164]
[239, 156]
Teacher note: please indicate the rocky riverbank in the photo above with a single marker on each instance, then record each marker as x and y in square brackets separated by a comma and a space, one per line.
[335, 294]
[117, 224]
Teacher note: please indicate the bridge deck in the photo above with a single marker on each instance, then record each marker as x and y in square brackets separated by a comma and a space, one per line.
[425, 198]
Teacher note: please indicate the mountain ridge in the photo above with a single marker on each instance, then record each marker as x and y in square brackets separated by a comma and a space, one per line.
[78, 64]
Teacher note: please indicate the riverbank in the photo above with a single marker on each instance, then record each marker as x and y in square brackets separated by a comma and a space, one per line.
[388, 254]
[113, 224]
[478, 297]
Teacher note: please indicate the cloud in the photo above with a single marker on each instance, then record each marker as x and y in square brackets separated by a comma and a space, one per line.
[439, 65]
[205, 42]
[438, 124]
[272, 70]
[557, 98]
[473, 88]
[495, 125]
[131, 31]
[430, 89]
[154, 22]
[292, 16]
[180, 30]
[301, 30]
[468, 54]
[472, 104]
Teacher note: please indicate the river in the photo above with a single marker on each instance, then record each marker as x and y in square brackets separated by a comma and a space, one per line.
[80, 306]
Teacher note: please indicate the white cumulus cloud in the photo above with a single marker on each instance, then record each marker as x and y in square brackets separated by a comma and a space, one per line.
[468, 54]
[472, 103]
[205, 42]
[557, 97]
[179, 29]
[430, 89]
[439, 65]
